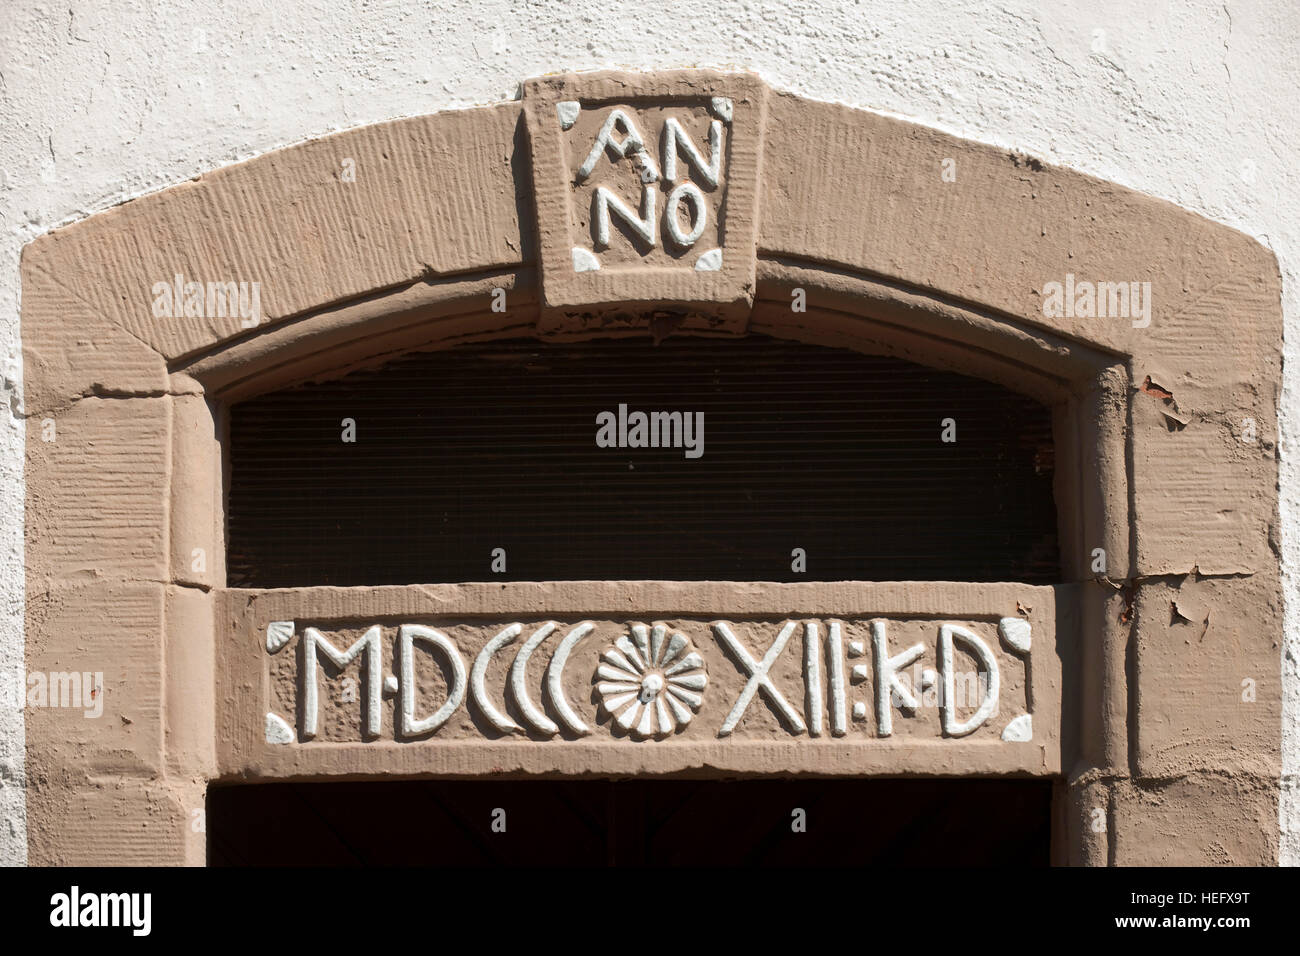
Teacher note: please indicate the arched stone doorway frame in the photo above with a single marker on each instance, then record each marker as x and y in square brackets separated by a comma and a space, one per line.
[903, 240]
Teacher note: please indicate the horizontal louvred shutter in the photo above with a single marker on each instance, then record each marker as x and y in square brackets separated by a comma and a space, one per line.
[467, 450]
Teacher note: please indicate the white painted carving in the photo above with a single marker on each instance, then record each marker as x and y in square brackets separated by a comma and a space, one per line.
[519, 683]
[835, 665]
[555, 679]
[758, 677]
[1016, 632]
[1019, 730]
[407, 635]
[948, 703]
[722, 107]
[643, 225]
[313, 641]
[675, 138]
[710, 261]
[650, 684]
[632, 142]
[697, 166]
[478, 673]
[651, 681]
[812, 676]
[567, 112]
[699, 218]
[888, 685]
[278, 634]
[584, 260]
[278, 730]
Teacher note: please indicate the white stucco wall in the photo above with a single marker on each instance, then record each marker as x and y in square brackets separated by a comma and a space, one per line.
[102, 100]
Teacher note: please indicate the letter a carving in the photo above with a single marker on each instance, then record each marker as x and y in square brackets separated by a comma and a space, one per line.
[631, 143]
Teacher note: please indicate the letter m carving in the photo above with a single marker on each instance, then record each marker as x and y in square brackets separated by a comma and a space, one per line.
[367, 642]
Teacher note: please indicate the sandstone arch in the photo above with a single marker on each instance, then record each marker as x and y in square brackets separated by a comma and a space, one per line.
[846, 205]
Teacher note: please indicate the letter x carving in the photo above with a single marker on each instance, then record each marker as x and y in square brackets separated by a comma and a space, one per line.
[758, 679]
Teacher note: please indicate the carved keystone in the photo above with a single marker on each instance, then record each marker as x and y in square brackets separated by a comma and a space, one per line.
[645, 194]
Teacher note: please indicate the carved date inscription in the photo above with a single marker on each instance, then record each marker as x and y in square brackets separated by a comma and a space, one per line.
[650, 681]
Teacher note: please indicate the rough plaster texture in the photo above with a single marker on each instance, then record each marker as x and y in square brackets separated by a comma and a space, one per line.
[106, 101]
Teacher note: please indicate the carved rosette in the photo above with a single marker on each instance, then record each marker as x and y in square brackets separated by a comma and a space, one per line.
[651, 682]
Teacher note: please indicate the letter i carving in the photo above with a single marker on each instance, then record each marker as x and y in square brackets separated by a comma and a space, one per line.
[835, 665]
[812, 675]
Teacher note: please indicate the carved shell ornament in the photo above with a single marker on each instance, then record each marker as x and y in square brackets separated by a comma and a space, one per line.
[651, 682]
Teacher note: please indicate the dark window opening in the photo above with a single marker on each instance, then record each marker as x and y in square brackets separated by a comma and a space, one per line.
[857, 822]
[464, 451]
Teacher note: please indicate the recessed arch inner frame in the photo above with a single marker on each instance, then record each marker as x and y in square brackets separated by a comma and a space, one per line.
[844, 309]
[1086, 388]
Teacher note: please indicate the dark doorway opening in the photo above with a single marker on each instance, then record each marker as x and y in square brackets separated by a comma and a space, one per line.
[911, 822]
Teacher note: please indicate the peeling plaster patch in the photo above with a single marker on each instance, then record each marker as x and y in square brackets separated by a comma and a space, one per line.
[1176, 420]
[1151, 388]
[1126, 612]
[1020, 159]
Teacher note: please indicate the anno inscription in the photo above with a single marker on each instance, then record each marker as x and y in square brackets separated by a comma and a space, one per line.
[647, 184]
